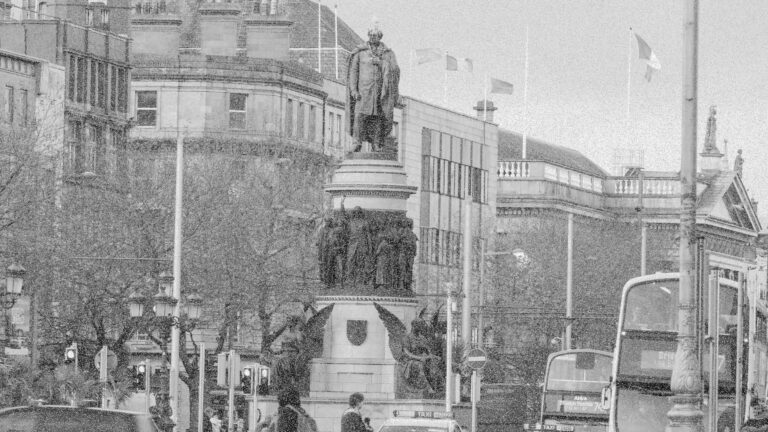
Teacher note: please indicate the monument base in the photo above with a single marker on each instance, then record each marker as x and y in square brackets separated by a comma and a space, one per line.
[356, 354]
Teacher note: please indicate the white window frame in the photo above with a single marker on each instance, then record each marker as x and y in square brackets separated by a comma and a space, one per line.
[147, 108]
[243, 112]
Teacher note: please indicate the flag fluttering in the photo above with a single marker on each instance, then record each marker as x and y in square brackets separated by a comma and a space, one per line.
[428, 55]
[465, 64]
[502, 87]
[646, 53]
[451, 63]
[458, 64]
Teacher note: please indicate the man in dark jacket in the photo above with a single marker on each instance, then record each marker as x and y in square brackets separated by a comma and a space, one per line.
[351, 420]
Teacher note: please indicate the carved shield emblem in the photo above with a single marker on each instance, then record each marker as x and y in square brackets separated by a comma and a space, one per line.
[357, 331]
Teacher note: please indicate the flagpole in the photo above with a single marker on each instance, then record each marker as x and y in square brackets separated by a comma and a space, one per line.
[445, 80]
[411, 60]
[485, 98]
[319, 36]
[525, 98]
[629, 83]
[336, 36]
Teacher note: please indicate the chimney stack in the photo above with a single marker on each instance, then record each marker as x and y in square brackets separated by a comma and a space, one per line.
[485, 109]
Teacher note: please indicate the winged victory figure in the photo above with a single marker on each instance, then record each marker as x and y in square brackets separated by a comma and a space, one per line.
[419, 352]
[303, 341]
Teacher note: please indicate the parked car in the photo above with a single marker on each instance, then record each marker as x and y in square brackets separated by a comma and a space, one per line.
[420, 421]
[56, 418]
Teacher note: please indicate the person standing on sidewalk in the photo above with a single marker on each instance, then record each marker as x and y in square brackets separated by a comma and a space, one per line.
[351, 420]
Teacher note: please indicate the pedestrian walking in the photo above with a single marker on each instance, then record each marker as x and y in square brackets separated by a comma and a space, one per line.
[351, 420]
[291, 417]
[216, 422]
[207, 413]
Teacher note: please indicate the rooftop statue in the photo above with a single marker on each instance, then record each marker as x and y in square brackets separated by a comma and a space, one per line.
[373, 78]
[710, 140]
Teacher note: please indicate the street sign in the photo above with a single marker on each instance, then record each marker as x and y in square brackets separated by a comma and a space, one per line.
[111, 360]
[476, 358]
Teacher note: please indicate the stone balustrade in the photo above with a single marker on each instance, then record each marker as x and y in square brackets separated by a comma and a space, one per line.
[622, 186]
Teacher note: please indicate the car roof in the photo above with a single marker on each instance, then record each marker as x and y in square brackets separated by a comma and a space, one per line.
[415, 421]
[69, 407]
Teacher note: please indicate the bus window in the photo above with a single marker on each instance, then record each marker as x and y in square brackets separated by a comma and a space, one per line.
[582, 371]
[728, 310]
[652, 306]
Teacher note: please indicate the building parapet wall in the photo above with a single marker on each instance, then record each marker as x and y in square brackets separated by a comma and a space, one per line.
[225, 68]
[48, 39]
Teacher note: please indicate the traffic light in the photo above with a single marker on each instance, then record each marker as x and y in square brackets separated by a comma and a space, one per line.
[70, 354]
[263, 387]
[246, 380]
[140, 377]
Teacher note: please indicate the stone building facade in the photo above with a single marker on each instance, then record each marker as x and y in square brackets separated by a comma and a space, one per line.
[616, 227]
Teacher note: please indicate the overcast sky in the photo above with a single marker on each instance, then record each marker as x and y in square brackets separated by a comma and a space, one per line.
[577, 86]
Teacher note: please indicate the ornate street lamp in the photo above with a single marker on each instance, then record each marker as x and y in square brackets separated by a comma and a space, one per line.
[14, 281]
[193, 306]
[136, 304]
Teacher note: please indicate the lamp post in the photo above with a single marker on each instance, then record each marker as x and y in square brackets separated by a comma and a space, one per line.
[14, 282]
[165, 317]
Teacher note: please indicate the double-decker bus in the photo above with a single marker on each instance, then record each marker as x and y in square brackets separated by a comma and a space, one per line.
[646, 343]
[573, 386]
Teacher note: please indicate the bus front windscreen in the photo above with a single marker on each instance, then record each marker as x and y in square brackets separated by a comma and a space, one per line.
[652, 306]
[575, 382]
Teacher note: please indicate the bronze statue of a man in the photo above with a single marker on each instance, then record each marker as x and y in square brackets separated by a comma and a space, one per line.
[372, 92]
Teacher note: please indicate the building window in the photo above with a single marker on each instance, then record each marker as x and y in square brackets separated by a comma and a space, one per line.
[112, 88]
[72, 73]
[96, 154]
[92, 82]
[75, 147]
[331, 128]
[81, 80]
[146, 108]
[8, 110]
[24, 107]
[122, 89]
[237, 110]
[89, 17]
[312, 129]
[300, 121]
[101, 84]
[105, 19]
[289, 118]
[337, 139]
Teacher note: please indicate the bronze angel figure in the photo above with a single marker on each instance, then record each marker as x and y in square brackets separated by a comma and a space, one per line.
[302, 341]
[420, 352]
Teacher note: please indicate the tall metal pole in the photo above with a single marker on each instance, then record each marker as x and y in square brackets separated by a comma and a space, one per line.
[320, 36]
[685, 414]
[466, 305]
[449, 347]
[569, 285]
[200, 386]
[481, 297]
[336, 37]
[173, 381]
[473, 386]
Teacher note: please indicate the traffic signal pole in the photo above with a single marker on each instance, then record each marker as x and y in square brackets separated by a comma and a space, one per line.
[201, 386]
[233, 369]
[103, 375]
[147, 383]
